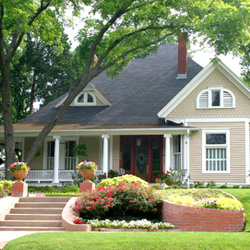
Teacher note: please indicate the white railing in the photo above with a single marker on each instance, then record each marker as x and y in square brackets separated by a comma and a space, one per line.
[48, 175]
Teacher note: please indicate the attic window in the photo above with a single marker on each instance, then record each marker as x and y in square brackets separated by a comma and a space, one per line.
[85, 99]
[215, 98]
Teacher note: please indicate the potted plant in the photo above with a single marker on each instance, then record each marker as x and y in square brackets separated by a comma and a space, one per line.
[87, 169]
[19, 170]
[164, 178]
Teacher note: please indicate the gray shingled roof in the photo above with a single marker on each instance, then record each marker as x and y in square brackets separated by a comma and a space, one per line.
[140, 92]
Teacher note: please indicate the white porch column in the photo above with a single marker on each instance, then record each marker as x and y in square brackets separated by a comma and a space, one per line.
[167, 153]
[105, 156]
[186, 155]
[56, 158]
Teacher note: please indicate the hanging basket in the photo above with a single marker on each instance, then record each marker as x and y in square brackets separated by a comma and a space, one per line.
[20, 174]
[87, 174]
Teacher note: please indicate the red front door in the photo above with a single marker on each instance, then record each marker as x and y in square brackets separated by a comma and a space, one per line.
[141, 155]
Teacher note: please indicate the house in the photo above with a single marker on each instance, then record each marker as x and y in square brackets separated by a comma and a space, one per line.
[163, 112]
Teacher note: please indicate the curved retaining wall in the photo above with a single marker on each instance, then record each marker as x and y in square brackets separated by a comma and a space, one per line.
[187, 218]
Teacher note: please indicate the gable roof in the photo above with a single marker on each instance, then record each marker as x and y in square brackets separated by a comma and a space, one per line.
[142, 89]
[229, 74]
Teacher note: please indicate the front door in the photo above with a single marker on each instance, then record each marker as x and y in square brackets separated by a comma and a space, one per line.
[141, 155]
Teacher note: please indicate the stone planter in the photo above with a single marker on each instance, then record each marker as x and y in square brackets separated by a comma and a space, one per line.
[157, 180]
[87, 174]
[20, 174]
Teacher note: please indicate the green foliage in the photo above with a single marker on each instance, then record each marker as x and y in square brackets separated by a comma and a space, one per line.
[128, 178]
[130, 199]
[81, 150]
[156, 186]
[5, 188]
[199, 184]
[211, 184]
[112, 173]
[70, 189]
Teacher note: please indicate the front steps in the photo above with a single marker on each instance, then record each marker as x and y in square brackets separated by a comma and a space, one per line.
[35, 214]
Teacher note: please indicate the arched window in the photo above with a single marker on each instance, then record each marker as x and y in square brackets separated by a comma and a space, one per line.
[85, 99]
[215, 98]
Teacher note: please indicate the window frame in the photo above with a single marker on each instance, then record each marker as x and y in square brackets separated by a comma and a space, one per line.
[85, 102]
[210, 106]
[205, 146]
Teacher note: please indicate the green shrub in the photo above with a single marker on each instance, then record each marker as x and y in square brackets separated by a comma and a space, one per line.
[156, 186]
[199, 184]
[211, 184]
[236, 186]
[5, 188]
[127, 199]
[175, 186]
[128, 178]
[224, 186]
[71, 189]
[112, 173]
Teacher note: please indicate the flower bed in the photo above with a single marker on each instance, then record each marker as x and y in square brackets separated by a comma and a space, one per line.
[189, 218]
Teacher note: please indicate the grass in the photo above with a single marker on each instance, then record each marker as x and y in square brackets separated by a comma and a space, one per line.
[243, 195]
[127, 241]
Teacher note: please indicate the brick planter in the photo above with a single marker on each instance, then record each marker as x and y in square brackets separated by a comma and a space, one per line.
[187, 218]
[19, 189]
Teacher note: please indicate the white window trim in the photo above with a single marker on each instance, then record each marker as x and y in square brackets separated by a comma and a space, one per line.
[85, 103]
[209, 90]
[227, 146]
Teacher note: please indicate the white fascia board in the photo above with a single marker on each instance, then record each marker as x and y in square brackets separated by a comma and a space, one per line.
[212, 119]
[186, 91]
[151, 131]
[228, 73]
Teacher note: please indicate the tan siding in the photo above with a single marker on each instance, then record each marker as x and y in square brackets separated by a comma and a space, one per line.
[187, 108]
[93, 149]
[116, 153]
[237, 153]
[37, 162]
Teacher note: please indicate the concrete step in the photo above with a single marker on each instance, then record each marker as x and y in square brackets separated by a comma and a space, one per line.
[31, 223]
[35, 211]
[31, 228]
[44, 199]
[41, 204]
[33, 217]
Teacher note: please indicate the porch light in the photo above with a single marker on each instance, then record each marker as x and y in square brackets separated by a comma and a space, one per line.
[138, 142]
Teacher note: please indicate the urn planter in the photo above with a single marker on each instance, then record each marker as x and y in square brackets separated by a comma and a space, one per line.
[20, 174]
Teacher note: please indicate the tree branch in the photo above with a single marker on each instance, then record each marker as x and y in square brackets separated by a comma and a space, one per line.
[117, 41]
[30, 22]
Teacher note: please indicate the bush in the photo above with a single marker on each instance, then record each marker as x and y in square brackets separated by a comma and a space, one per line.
[71, 189]
[5, 188]
[131, 199]
[112, 173]
[211, 184]
[127, 178]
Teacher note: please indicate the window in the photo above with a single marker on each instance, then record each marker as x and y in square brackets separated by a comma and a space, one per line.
[85, 99]
[215, 98]
[70, 158]
[50, 155]
[176, 152]
[216, 151]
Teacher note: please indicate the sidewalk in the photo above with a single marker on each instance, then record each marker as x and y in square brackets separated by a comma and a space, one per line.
[6, 236]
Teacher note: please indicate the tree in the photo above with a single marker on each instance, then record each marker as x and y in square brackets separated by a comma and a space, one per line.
[126, 28]
[40, 75]
[17, 18]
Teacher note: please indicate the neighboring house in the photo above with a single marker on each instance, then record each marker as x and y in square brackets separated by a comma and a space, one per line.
[163, 112]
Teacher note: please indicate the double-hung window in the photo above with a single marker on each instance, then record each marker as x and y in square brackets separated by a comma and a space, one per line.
[216, 151]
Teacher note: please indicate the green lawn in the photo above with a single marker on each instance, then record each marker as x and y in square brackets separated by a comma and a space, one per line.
[127, 241]
[242, 195]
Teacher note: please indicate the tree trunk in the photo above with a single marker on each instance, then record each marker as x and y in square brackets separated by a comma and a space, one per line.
[78, 86]
[7, 122]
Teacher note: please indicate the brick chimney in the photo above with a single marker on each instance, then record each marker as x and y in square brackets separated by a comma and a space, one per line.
[182, 56]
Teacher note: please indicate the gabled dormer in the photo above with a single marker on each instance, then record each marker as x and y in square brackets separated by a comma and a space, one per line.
[90, 96]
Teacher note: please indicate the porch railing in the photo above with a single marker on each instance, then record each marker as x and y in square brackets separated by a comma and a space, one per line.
[48, 175]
